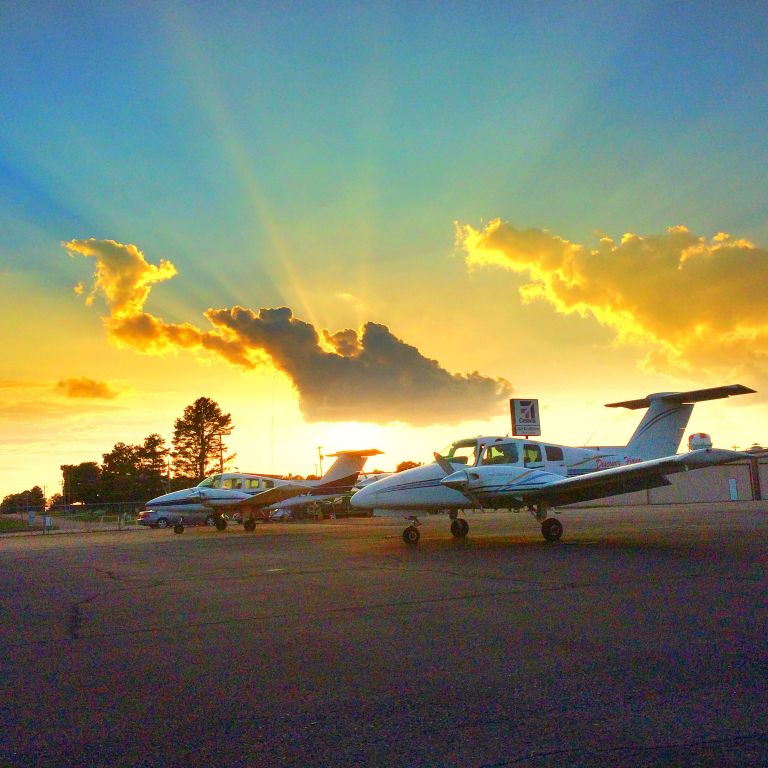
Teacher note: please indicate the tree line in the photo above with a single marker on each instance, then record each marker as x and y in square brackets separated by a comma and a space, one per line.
[138, 473]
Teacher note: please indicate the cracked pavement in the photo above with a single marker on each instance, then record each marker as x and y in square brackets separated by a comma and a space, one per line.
[639, 640]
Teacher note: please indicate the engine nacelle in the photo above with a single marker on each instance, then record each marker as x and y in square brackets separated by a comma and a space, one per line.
[699, 440]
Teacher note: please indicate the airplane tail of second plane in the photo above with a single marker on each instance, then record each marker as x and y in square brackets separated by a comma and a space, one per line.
[343, 473]
[661, 429]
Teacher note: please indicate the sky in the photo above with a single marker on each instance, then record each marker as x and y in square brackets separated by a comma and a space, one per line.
[368, 225]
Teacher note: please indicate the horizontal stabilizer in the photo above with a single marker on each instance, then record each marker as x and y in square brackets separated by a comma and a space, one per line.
[681, 398]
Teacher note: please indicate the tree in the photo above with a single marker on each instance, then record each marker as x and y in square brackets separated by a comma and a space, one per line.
[153, 460]
[198, 444]
[81, 482]
[403, 465]
[120, 472]
[24, 501]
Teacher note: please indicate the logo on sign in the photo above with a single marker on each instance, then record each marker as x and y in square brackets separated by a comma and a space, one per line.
[525, 417]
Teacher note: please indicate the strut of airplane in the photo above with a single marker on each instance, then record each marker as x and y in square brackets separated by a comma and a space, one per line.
[517, 473]
[253, 496]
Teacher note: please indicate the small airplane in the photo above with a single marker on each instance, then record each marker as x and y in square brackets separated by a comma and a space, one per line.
[252, 495]
[516, 473]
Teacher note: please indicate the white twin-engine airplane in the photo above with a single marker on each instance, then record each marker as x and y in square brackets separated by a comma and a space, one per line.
[253, 495]
[513, 473]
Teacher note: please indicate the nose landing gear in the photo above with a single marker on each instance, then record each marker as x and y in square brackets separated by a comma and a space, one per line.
[459, 527]
[411, 534]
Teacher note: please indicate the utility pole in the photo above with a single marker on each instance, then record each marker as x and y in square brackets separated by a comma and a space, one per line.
[320, 457]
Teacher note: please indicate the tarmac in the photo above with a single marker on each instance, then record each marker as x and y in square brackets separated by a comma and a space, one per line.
[639, 639]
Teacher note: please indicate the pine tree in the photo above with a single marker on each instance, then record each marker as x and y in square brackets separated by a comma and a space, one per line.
[198, 445]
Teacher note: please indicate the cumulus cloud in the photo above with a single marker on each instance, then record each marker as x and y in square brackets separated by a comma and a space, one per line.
[365, 374]
[698, 304]
[86, 388]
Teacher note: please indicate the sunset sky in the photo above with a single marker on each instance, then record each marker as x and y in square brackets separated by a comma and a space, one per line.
[363, 225]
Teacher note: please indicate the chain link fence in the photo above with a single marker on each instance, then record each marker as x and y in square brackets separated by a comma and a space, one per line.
[73, 517]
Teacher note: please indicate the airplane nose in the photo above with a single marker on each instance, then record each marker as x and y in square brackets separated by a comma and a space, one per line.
[363, 498]
[459, 481]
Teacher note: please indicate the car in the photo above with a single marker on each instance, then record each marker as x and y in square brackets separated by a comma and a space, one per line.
[164, 518]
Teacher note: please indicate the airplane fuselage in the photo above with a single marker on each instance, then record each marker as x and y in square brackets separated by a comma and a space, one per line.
[422, 488]
[215, 493]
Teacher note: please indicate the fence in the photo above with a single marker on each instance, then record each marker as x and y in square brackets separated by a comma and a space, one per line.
[73, 517]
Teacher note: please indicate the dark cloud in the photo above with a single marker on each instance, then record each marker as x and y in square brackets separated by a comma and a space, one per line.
[370, 376]
[364, 375]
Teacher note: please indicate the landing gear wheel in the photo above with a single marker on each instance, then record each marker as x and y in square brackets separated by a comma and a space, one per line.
[411, 535]
[459, 527]
[178, 528]
[250, 524]
[210, 521]
[552, 529]
[162, 523]
[221, 524]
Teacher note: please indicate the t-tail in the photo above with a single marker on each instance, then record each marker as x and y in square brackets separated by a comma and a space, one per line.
[660, 431]
[343, 473]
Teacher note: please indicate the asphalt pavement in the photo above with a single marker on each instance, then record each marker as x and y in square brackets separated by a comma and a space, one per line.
[638, 640]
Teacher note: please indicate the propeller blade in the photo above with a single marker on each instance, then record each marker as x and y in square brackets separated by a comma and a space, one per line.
[444, 464]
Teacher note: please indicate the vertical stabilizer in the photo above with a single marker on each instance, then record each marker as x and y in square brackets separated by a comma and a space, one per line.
[343, 473]
[660, 431]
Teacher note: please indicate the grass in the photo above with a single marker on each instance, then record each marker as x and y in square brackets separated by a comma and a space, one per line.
[10, 524]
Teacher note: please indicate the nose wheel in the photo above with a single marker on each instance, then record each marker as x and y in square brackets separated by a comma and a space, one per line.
[459, 527]
[552, 529]
[411, 534]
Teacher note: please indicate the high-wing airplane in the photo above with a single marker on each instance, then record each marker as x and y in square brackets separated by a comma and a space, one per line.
[253, 495]
[517, 473]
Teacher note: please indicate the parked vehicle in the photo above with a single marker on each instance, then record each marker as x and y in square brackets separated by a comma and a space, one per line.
[165, 518]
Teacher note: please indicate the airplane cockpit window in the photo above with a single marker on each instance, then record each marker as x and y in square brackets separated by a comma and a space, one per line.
[232, 483]
[252, 484]
[532, 454]
[502, 453]
[554, 453]
[461, 452]
[269, 484]
[214, 481]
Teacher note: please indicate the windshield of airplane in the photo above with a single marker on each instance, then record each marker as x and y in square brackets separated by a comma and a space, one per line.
[500, 453]
[214, 481]
[461, 452]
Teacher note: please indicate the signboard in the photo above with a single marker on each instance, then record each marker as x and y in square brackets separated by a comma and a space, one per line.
[525, 417]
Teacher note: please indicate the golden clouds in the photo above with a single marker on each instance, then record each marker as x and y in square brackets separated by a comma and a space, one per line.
[699, 304]
[366, 375]
[122, 274]
[85, 388]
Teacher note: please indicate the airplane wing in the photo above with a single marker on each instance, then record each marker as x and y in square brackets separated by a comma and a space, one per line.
[274, 495]
[529, 486]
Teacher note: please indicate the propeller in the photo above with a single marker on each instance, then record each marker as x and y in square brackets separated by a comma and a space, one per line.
[444, 464]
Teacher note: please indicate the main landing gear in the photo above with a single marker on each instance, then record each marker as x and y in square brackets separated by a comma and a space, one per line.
[551, 527]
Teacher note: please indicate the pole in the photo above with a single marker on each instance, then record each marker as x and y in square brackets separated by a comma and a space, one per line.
[320, 457]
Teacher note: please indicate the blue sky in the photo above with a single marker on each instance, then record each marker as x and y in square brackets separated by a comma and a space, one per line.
[287, 153]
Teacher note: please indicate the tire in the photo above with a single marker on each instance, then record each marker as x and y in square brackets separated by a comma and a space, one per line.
[459, 527]
[210, 521]
[250, 525]
[552, 529]
[162, 523]
[221, 524]
[178, 528]
[411, 535]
